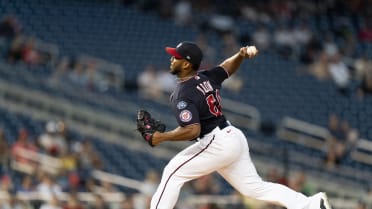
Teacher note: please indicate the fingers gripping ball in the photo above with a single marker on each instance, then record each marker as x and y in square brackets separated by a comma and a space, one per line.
[251, 51]
[147, 126]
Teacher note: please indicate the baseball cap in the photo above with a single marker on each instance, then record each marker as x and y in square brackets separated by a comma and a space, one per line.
[188, 51]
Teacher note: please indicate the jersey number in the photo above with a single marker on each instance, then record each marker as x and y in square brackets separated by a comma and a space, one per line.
[214, 103]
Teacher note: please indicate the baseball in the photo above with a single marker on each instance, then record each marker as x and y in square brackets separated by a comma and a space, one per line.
[251, 50]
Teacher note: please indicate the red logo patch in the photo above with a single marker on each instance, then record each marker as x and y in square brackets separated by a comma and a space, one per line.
[185, 116]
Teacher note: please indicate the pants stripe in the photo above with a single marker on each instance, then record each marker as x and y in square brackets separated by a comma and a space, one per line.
[184, 163]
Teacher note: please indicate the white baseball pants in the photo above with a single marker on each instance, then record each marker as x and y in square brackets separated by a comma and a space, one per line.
[225, 151]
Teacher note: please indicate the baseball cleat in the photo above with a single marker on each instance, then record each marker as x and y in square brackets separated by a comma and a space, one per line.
[324, 204]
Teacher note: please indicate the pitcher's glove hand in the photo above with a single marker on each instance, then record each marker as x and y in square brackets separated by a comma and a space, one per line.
[147, 125]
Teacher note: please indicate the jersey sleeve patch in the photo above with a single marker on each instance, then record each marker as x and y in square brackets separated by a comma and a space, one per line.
[181, 105]
[185, 116]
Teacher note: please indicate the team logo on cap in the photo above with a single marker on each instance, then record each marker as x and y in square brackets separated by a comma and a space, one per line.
[185, 116]
[181, 105]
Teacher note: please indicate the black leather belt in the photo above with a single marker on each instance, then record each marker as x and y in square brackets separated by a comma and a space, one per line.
[223, 124]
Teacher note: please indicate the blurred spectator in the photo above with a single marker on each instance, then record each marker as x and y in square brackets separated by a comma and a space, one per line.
[89, 185]
[106, 187]
[210, 206]
[361, 205]
[20, 147]
[94, 79]
[319, 69]
[300, 184]
[234, 83]
[27, 184]
[340, 73]
[6, 183]
[167, 82]
[363, 74]
[205, 185]
[4, 152]
[365, 33]
[341, 139]
[14, 203]
[30, 54]
[98, 203]
[329, 46]
[62, 69]
[222, 24]
[127, 203]
[284, 41]
[302, 34]
[88, 157]
[262, 38]
[78, 75]
[52, 203]
[150, 183]
[48, 188]
[209, 53]
[147, 84]
[273, 175]
[14, 53]
[311, 51]
[69, 161]
[10, 27]
[230, 44]
[182, 12]
[73, 202]
[51, 141]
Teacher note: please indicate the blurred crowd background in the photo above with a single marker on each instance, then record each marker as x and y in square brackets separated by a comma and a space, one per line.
[74, 72]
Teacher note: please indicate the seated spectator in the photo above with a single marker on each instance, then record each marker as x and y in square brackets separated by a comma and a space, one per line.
[261, 38]
[12, 202]
[52, 203]
[209, 52]
[6, 183]
[48, 188]
[151, 182]
[284, 41]
[167, 82]
[300, 184]
[51, 141]
[10, 27]
[273, 175]
[365, 33]
[27, 184]
[340, 73]
[147, 84]
[98, 203]
[88, 157]
[363, 74]
[341, 139]
[73, 202]
[4, 152]
[62, 69]
[183, 12]
[234, 83]
[14, 53]
[29, 55]
[106, 187]
[205, 185]
[230, 44]
[127, 203]
[21, 146]
[319, 69]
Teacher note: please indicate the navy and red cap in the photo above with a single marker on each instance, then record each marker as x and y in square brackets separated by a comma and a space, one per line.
[187, 50]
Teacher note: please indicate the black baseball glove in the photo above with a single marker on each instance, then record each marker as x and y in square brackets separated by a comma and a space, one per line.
[147, 125]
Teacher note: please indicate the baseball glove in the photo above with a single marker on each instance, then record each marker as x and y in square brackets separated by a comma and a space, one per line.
[147, 125]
